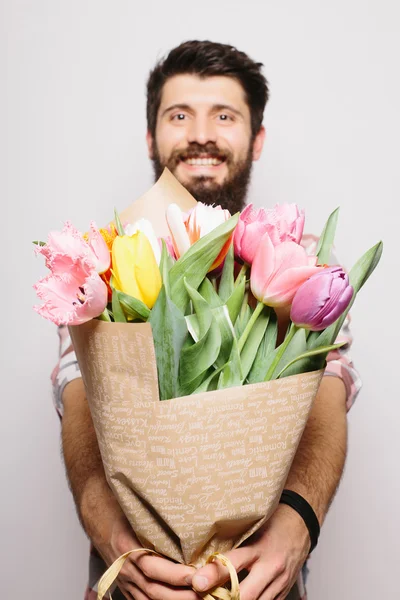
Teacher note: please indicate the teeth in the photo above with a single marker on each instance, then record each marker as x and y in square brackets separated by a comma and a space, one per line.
[203, 162]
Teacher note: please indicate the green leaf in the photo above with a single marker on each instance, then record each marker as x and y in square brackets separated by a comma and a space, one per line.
[192, 324]
[243, 319]
[256, 335]
[304, 368]
[133, 308]
[227, 281]
[165, 267]
[358, 275]
[326, 240]
[201, 308]
[169, 333]
[118, 224]
[265, 353]
[228, 338]
[296, 347]
[222, 319]
[38, 243]
[235, 301]
[210, 383]
[196, 262]
[197, 358]
[312, 338]
[365, 266]
[231, 375]
[104, 316]
[119, 316]
[209, 293]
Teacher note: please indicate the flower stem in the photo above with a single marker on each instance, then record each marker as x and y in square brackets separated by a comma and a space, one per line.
[292, 331]
[105, 316]
[249, 326]
[242, 272]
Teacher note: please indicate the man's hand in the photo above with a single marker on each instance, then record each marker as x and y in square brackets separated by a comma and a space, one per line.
[143, 577]
[273, 557]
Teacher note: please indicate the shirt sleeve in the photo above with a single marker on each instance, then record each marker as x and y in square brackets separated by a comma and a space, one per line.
[66, 370]
[339, 364]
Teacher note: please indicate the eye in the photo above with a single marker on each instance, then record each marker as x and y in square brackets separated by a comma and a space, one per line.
[179, 117]
[224, 117]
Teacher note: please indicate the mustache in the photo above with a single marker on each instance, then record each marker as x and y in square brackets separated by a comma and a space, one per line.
[196, 150]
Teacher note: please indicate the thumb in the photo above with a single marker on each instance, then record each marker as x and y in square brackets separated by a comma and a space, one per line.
[215, 574]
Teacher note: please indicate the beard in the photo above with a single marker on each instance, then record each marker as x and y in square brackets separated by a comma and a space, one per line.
[230, 194]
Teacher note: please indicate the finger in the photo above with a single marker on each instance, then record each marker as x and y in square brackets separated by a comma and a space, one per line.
[256, 581]
[164, 570]
[215, 573]
[136, 594]
[156, 590]
[278, 590]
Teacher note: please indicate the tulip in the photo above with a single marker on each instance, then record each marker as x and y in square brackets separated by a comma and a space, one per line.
[146, 227]
[186, 229]
[73, 297]
[70, 242]
[109, 234]
[250, 229]
[285, 223]
[134, 267]
[169, 245]
[278, 271]
[321, 299]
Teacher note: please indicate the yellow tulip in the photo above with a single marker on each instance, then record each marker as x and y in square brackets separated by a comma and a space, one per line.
[135, 269]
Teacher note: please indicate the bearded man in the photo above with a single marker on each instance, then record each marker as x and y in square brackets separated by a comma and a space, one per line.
[205, 106]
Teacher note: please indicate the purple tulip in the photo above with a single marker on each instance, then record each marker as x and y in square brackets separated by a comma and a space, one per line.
[321, 299]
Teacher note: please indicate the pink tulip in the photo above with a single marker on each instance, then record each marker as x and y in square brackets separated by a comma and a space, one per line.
[250, 229]
[170, 246]
[278, 271]
[321, 299]
[74, 296]
[283, 223]
[186, 229]
[71, 243]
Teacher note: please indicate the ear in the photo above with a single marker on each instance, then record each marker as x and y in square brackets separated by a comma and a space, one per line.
[258, 143]
[150, 143]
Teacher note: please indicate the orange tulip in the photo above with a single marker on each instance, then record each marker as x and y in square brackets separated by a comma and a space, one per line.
[187, 228]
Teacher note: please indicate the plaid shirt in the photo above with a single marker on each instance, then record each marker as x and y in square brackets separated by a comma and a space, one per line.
[339, 364]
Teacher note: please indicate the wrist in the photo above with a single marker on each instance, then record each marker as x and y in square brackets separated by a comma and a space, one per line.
[104, 521]
[293, 523]
[305, 511]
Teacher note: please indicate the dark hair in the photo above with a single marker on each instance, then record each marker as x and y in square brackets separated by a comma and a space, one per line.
[207, 59]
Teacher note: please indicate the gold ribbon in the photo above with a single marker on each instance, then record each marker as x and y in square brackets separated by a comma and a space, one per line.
[217, 593]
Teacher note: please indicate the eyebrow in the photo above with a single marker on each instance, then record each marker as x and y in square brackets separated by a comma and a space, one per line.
[175, 107]
[227, 107]
[215, 107]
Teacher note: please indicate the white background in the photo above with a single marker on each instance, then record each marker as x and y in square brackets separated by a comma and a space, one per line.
[72, 110]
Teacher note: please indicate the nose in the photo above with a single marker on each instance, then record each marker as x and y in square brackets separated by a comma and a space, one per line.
[202, 130]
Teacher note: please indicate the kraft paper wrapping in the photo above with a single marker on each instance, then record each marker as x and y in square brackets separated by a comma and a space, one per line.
[197, 474]
[153, 204]
[194, 475]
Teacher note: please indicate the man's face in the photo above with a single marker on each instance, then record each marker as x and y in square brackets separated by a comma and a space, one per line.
[203, 135]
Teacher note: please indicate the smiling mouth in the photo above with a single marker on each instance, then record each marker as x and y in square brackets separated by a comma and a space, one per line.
[203, 161]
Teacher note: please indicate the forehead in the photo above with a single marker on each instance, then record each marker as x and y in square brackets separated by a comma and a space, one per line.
[204, 92]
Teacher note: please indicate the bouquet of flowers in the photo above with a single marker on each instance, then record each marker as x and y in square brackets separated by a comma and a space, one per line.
[168, 307]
